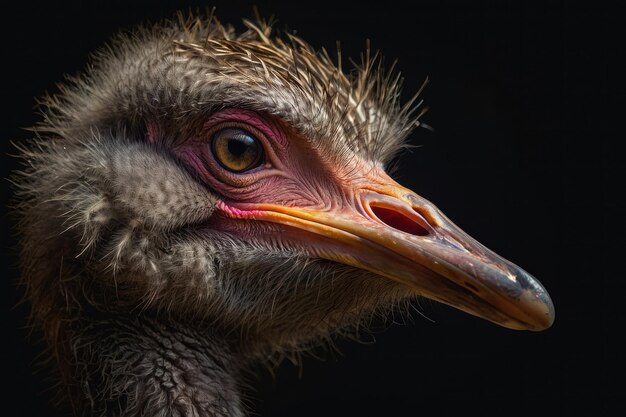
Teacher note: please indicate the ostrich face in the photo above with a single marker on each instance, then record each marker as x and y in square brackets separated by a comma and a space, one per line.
[239, 180]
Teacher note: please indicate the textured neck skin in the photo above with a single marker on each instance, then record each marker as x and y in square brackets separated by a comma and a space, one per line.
[141, 367]
[111, 221]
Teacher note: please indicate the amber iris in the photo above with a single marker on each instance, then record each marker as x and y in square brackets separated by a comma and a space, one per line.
[236, 149]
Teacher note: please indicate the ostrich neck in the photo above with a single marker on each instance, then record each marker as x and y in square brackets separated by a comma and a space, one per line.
[140, 366]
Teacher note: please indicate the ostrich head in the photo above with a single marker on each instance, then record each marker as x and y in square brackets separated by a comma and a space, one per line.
[225, 194]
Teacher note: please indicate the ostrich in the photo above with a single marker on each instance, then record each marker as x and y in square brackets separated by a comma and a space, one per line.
[200, 200]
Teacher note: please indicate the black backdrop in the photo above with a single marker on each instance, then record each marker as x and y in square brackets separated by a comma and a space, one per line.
[523, 157]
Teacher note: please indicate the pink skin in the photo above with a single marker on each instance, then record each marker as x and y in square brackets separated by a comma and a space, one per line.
[357, 215]
[292, 175]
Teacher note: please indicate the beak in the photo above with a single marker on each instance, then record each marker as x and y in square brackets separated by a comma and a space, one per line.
[391, 231]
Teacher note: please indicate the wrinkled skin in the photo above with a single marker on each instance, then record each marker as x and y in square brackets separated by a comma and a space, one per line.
[157, 275]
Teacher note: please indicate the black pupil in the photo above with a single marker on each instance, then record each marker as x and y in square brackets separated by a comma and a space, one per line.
[238, 145]
[236, 149]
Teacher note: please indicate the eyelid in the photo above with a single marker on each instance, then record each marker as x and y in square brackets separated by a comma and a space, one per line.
[269, 126]
[210, 131]
[247, 180]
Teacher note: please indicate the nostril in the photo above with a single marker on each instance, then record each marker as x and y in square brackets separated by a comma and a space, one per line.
[399, 221]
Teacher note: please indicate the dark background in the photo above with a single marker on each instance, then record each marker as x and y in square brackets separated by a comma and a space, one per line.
[524, 157]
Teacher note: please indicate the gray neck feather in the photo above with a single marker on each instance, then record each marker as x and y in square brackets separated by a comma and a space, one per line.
[141, 367]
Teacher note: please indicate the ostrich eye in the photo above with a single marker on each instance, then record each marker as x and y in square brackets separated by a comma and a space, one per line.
[236, 150]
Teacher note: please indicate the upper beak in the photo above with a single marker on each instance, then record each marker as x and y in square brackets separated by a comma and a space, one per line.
[391, 231]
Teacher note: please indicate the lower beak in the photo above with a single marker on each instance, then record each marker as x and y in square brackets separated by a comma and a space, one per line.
[395, 233]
